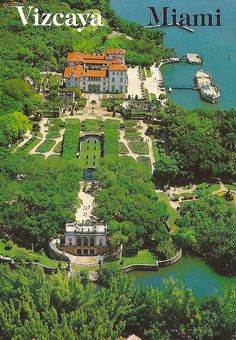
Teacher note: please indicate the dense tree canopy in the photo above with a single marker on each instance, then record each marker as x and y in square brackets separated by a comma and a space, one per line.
[128, 203]
[201, 143]
[12, 126]
[37, 207]
[208, 228]
[35, 307]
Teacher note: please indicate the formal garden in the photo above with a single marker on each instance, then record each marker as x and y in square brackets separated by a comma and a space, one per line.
[194, 153]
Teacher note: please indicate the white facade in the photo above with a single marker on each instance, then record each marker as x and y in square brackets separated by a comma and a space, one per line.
[114, 83]
[117, 81]
[97, 73]
[81, 239]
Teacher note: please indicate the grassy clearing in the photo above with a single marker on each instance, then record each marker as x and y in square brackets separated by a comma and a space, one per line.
[173, 214]
[90, 152]
[143, 257]
[141, 148]
[17, 251]
[46, 146]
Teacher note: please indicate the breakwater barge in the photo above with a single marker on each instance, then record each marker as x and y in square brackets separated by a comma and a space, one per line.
[209, 91]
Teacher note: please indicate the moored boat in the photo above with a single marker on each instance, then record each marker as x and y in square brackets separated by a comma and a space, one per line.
[209, 91]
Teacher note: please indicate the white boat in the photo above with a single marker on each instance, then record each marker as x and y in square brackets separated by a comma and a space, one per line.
[209, 91]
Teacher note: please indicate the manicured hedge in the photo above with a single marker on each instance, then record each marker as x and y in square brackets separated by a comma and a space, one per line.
[111, 138]
[71, 139]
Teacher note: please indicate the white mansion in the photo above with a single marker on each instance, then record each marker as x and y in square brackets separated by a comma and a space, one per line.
[85, 239]
[105, 72]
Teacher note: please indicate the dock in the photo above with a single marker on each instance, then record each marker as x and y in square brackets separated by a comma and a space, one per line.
[187, 28]
[193, 59]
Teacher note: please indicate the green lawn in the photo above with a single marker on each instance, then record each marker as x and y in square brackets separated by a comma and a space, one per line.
[47, 145]
[140, 148]
[231, 186]
[123, 149]
[34, 257]
[53, 134]
[173, 214]
[28, 146]
[94, 125]
[143, 257]
[90, 152]
[204, 189]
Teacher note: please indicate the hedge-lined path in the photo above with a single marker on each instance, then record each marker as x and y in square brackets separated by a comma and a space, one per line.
[146, 139]
[43, 131]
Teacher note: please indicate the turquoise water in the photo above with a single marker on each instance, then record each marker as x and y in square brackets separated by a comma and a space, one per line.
[213, 43]
[193, 272]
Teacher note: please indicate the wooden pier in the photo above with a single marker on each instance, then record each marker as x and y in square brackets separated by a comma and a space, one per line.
[187, 28]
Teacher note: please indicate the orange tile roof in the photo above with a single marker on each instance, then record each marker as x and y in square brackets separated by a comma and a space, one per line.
[116, 51]
[68, 71]
[75, 72]
[79, 72]
[117, 67]
[77, 56]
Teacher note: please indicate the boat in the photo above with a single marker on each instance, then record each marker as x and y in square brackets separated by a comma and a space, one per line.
[209, 91]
